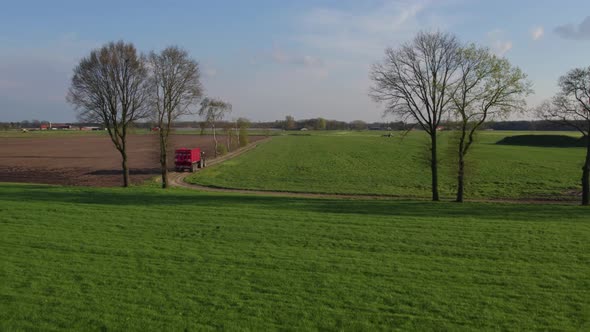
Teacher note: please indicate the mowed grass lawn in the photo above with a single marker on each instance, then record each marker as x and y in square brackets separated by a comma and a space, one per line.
[145, 259]
[366, 163]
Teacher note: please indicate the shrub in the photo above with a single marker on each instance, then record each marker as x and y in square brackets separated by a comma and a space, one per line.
[244, 139]
[221, 149]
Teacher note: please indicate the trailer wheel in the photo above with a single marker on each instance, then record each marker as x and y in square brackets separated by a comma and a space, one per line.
[192, 169]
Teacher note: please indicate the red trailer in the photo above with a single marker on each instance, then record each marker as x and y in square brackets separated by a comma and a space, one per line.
[188, 159]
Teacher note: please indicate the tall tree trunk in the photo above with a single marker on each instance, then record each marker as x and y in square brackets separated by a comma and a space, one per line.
[434, 166]
[124, 166]
[461, 180]
[163, 161]
[215, 140]
[461, 168]
[586, 175]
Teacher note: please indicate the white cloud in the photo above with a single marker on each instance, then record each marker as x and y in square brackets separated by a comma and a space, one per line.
[304, 64]
[349, 40]
[537, 32]
[498, 42]
[209, 71]
[280, 56]
[322, 70]
[310, 61]
[387, 18]
[363, 32]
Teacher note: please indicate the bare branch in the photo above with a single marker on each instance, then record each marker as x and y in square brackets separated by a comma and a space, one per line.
[412, 82]
[571, 105]
[413, 79]
[175, 88]
[110, 86]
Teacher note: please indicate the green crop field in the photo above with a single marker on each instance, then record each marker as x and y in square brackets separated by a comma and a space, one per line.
[366, 163]
[147, 259]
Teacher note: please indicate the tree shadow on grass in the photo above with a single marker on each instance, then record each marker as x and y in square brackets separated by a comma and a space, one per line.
[549, 141]
[151, 197]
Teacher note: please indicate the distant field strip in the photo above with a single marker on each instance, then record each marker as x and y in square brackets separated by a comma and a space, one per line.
[146, 259]
[369, 164]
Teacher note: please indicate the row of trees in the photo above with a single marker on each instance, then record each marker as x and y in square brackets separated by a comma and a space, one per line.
[23, 124]
[316, 124]
[431, 78]
[322, 124]
[116, 86]
[517, 125]
[436, 77]
[236, 133]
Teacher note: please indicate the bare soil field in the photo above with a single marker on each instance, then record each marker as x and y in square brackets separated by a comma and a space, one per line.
[88, 160]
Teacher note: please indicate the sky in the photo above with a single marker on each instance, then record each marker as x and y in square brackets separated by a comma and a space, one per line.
[275, 58]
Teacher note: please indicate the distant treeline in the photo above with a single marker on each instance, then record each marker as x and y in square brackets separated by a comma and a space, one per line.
[318, 124]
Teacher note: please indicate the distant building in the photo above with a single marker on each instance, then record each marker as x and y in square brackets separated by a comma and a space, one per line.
[60, 126]
[55, 126]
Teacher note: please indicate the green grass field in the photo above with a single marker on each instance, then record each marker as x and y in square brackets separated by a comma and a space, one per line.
[365, 163]
[145, 259]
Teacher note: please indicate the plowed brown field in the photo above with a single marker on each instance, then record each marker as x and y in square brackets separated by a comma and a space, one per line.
[88, 160]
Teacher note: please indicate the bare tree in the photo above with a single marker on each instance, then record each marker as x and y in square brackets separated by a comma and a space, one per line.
[176, 87]
[571, 107]
[214, 110]
[487, 87]
[110, 86]
[413, 83]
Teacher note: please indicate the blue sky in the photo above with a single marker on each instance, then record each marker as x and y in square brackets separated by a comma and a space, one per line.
[274, 58]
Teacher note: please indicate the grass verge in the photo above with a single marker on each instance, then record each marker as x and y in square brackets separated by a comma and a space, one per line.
[137, 259]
